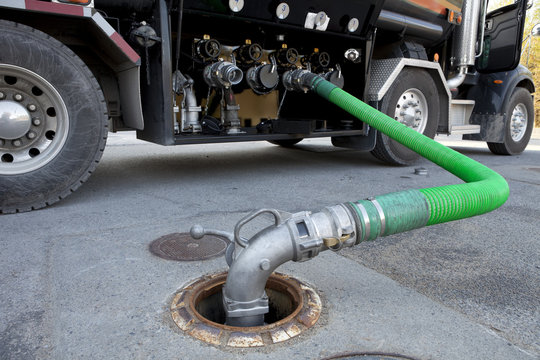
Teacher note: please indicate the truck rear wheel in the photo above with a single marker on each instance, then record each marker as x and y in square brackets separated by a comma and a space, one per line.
[53, 120]
[413, 100]
[518, 125]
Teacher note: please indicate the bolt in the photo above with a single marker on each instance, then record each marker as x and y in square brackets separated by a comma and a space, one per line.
[17, 142]
[18, 97]
[36, 121]
[32, 107]
[265, 264]
[2, 96]
[421, 171]
[31, 135]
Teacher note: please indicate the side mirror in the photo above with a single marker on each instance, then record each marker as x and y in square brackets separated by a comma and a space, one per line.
[536, 30]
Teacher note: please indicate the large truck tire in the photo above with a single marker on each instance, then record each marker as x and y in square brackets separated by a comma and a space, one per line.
[519, 124]
[53, 120]
[413, 100]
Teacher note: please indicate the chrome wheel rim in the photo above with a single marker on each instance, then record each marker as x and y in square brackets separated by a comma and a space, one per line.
[518, 122]
[412, 110]
[34, 122]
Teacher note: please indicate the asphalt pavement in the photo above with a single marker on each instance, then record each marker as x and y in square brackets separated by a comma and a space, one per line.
[77, 280]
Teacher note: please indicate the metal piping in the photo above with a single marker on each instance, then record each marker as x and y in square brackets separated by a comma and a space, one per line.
[389, 20]
[465, 39]
[456, 81]
[294, 237]
[466, 35]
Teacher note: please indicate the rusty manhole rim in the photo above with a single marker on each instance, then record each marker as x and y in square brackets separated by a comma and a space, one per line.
[304, 316]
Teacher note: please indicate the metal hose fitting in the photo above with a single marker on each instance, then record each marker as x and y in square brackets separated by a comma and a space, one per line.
[222, 74]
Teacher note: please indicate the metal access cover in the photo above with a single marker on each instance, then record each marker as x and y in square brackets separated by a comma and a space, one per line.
[369, 356]
[182, 247]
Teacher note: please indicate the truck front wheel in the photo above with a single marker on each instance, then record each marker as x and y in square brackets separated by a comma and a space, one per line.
[53, 120]
[519, 124]
[413, 100]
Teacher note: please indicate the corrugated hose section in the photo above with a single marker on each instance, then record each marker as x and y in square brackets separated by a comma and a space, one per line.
[484, 189]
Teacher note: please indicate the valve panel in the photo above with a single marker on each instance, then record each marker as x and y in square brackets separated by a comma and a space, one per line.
[336, 16]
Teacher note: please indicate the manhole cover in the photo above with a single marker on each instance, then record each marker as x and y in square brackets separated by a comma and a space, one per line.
[369, 356]
[182, 247]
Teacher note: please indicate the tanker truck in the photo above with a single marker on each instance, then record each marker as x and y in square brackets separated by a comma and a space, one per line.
[215, 71]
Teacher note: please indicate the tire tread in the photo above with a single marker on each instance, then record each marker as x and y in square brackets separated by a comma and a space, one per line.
[41, 36]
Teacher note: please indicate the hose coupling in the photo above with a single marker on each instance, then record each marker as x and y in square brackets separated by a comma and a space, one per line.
[222, 74]
[236, 310]
[298, 80]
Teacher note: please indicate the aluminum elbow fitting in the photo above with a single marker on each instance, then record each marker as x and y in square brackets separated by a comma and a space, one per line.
[296, 237]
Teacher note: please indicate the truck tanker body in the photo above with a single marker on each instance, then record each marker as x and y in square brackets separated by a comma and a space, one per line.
[213, 71]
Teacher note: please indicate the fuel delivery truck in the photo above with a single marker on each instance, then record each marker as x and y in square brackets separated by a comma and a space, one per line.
[214, 71]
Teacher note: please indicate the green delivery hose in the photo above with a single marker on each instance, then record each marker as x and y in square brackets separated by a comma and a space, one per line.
[484, 190]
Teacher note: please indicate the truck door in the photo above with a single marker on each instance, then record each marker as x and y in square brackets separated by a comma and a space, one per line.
[502, 37]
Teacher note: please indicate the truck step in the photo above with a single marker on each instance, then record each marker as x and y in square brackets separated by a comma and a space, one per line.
[460, 114]
[465, 129]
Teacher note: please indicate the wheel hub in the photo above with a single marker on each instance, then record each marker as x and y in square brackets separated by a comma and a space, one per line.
[518, 123]
[34, 122]
[15, 120]
[411, 110]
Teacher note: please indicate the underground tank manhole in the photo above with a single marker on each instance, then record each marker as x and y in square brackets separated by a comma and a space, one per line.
[369, 356]
[197, 310]
[182, 247]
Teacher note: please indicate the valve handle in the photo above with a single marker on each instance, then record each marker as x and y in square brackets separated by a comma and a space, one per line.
[243, 242]
[198, 232]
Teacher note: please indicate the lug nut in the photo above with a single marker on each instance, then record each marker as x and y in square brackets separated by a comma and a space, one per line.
[18, 97]
[265, 264]
[17, 143]
[32, 107]
[36, 121]
[2, 96]
[31, 135]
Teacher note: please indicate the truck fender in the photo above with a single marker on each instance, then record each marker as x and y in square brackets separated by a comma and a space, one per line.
[384, 72]
[491, 94]
[123, 60]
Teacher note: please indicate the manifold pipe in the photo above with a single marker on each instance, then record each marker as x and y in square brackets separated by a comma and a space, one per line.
[304, 235]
